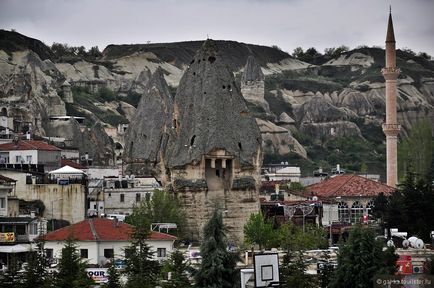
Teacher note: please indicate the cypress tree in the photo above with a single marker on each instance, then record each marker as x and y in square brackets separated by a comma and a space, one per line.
[36, 275]
[178, 269]
[218, 267]
[72, 270]
[140, 268]
[361, 259]
[113, 277]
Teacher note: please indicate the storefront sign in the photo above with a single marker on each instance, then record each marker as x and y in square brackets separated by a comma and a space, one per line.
[99, 275]
[8, 237]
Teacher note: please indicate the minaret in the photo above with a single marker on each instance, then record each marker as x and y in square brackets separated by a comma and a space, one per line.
[391, 127]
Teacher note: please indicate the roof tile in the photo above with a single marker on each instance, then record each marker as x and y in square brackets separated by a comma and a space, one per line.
[105, 230]
[348, 186]
[28, 145]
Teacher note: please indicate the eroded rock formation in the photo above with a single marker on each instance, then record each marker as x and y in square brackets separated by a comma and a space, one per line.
[214, 151]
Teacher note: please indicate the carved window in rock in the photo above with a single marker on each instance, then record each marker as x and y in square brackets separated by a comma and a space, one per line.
[343, 212]
[356, 212]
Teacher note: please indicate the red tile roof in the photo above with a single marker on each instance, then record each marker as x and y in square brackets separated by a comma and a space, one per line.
[28, 145]
[71, 163]
[100, 229]
[349, 185]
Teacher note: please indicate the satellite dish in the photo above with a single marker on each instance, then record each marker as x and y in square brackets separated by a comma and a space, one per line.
[412, 240]
[418, 244]
[405, 243]
[390, 243]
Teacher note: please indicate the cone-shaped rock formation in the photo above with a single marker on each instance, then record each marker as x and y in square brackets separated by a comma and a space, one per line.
[146, 136]
[210, 113]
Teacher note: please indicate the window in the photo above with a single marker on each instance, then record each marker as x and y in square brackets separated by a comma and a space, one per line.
[109, 253]
[369, 207]
[343, 212]
[2, 203]
[49, 253]
[138, 196]
[18, 159]
[84, 253]
[21, 229]
[122, 198]
[33, 228]
[356, 212]
[161, 252]
[29, 159]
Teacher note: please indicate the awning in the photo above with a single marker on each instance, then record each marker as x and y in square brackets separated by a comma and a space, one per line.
[18, 248]
[67, 170]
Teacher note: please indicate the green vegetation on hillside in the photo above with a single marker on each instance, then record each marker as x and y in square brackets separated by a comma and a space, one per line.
[94, 102]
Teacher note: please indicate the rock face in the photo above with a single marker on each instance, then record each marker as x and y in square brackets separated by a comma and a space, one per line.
[147, 134]
[252, 84]
[92, 141]
[214, 151]
[278, 140]
[210, 113]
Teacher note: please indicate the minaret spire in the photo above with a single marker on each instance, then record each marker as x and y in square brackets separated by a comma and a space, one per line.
[391, 127]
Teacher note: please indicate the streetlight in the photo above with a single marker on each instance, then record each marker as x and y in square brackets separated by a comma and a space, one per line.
[52, 212]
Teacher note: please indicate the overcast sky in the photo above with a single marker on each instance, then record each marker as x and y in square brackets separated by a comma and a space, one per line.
[285, 23]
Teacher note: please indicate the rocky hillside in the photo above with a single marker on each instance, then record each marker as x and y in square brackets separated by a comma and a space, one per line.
[334, 109]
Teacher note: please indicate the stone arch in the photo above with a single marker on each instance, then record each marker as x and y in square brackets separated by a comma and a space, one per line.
[118, 146]
[4, 112]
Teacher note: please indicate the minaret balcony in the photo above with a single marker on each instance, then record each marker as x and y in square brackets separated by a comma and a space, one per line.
[390, 72]
[391, 129]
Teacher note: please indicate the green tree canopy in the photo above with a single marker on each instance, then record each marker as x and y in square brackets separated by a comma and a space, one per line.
[218, 267]
[36, 275]
[293, 272]
[361, 259]
[259, 231]
[178, 268]
[415, 153]
[71, 269]
[292, 237]
[140, 268]
[163, 207]
[406, 209]
[113, 277]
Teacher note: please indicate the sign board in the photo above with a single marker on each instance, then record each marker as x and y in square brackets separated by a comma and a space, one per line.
[99, 275]
[266, 268]
[405, 266]
[8, 237]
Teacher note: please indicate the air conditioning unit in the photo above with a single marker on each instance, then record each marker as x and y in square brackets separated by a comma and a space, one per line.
[417, 269]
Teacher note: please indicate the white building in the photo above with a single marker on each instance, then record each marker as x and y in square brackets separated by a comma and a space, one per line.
[122, 194]
[100, 240]
[281, 172]
[30, 152]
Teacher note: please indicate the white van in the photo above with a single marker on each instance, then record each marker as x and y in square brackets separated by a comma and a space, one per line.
[120, 217]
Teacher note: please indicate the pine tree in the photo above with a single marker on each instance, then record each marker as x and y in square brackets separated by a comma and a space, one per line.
[141, 270]
[218, 267]
[11, 278]
[71, 269]
[178, 268]
[293, 271]
[36, 274]
[113, 277]
[361, 259]
[326, 274]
